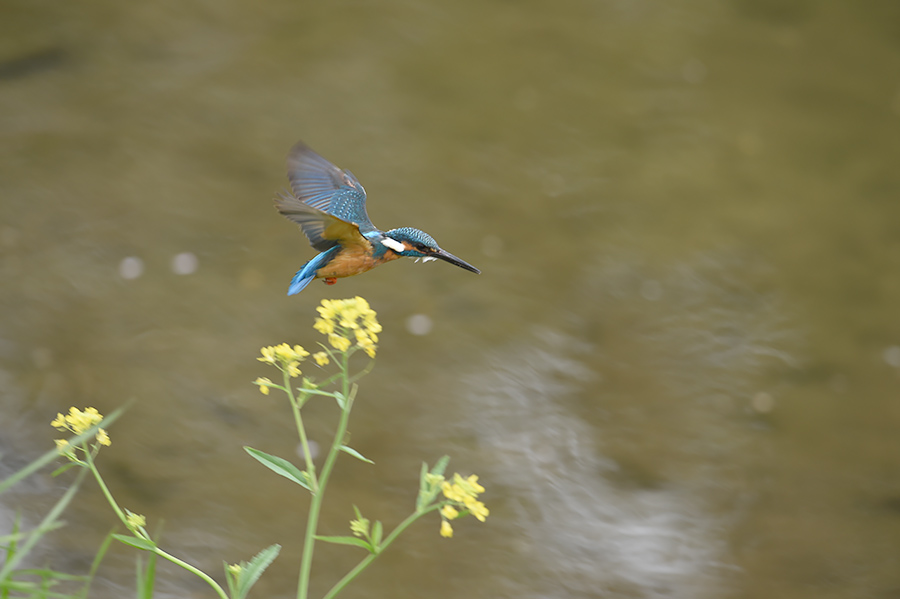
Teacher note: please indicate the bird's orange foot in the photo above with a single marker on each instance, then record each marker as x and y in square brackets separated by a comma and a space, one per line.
[330, 280]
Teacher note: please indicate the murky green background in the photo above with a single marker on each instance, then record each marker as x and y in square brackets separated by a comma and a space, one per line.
[677, 374]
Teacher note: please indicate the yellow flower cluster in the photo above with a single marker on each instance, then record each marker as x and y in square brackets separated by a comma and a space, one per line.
[462, 493]
[77, 421]
[264, 383]
[340, 320]
[285, 358]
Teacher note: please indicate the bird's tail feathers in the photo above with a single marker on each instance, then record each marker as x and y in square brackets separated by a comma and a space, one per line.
[308, 272]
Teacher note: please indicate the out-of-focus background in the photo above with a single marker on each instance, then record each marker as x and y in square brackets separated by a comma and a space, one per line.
[677, 375]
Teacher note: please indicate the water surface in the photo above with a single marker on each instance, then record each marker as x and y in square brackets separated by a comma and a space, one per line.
[677, 374]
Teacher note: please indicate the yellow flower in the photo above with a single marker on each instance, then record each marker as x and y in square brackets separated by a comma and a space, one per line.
[462, 487]
[472, 483]
[452, 492]
[446, 529]
[449, 512]
[284, 357]
[477, 509]
[59, 422]
[235, 569]
[321, 358]
[338, 317]
[284, 352]
[341, 344]
[464, 492]
[348, 319]
[365, 342]
[263, 383]
[77, 421]
[103, 438]
[371, 324]
[268, 355]
[326, 327]
[63, 447]
[326, 310]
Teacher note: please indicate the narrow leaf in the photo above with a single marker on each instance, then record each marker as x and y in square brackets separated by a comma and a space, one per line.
[101, 553]
[136, 542]
[441, 465]
[231, 580]
[63, 468]
[146, 578]
[281, 466]
[355, 454]
[50, 521]
[346, 541]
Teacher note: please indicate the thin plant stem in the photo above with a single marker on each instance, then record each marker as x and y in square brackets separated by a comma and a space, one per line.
[199, 573]
[316, 503]
[298, 420]
[115, 506]
[366, 561]
[109, 498]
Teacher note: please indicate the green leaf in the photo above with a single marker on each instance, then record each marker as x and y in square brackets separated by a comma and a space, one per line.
[101, 553]
[146, 578]
[50, 521]
[440, 466]
[281, 466]
[346, 541]
[428, 491]
[355, 454]
[63, 468]
[251, 572]
[137, 542]
[48, 574]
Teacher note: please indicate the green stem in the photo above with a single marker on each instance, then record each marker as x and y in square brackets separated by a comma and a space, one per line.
[200, 573]
[316, 503]
[109, 498]
[298, 420]
[366, 561]
[115, 506]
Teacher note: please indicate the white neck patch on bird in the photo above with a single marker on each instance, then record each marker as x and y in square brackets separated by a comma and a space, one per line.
[393, 244]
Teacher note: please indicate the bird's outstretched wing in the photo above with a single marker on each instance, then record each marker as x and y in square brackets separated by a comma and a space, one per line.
[323, 230]
[320, 185]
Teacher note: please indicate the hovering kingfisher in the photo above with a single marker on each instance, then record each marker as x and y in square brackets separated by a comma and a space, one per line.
[329, 204]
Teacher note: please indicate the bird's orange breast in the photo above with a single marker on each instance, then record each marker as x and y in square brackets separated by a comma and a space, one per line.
[353, 260]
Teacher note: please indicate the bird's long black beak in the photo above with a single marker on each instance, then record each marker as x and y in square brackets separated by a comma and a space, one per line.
[448, 257]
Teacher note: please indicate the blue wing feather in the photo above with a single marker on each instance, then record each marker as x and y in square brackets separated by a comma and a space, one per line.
[321, 185]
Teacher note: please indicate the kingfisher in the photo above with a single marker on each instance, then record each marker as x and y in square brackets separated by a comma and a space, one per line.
[329, 204]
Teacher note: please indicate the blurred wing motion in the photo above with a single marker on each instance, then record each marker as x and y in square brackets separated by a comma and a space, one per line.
[328, 203]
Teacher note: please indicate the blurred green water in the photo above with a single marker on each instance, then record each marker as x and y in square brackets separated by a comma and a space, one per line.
[678, 368]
